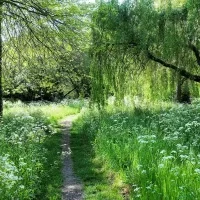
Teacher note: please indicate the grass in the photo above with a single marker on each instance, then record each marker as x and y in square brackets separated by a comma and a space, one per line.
[30, 151]
[52, 111]
[146, 153]
[98, 183]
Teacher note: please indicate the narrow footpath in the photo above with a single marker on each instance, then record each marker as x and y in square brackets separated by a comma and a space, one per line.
[72, 186]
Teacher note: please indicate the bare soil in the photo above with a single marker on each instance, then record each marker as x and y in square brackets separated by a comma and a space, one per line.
[72, 186]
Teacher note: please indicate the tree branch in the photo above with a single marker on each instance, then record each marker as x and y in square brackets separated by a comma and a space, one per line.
[69, 92]
[179, 70]
[182, 72]
[196, 52]
[31, 8]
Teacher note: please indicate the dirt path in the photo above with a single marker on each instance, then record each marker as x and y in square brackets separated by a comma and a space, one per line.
[72, 187]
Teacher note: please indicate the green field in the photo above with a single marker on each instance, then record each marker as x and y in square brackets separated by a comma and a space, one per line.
[147, 152]
[150, 152]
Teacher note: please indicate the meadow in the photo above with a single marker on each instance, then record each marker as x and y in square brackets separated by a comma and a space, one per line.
[147, 152]
[30, 150]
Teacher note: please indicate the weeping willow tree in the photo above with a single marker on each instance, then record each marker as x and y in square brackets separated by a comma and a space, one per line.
[156, 39]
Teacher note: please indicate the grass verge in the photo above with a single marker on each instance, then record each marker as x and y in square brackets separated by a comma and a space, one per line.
[154, 152]
[30, 151]
[98, 183]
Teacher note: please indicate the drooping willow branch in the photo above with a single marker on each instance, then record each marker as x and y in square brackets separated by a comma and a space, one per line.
[179, 70]
[196, 52]
[153, 58]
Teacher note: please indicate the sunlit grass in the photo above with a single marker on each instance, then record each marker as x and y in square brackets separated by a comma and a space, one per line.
[153, 150]
[98, 183]
[30, 150]
[52, 110]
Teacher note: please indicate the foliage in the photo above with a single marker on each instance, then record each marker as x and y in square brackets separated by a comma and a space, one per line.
[46, 62]
[157, 39]
[154, 149]
[19, 17]
[29, 166]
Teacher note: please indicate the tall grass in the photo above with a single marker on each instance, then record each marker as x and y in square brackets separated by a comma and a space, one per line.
[155, 151]
[30, 150]
[52, 111]
[97, 181]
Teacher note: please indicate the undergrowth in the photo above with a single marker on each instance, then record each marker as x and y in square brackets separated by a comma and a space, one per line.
[155, 152]
[30, 150]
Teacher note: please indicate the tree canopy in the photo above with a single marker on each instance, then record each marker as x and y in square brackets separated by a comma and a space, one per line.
[137, 35]
[40, 43]
[148, 48]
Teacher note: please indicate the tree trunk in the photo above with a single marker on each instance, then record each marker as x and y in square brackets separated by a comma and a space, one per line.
[182, 90]
[179, 89]
[1, 55]
[186, 93]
